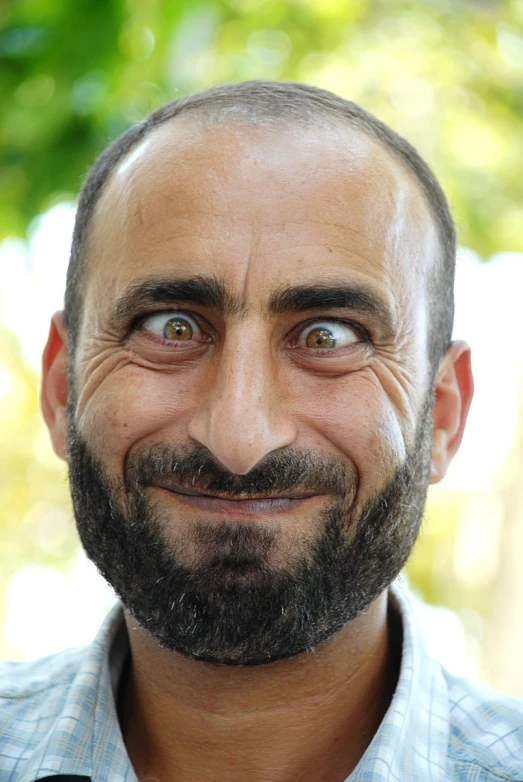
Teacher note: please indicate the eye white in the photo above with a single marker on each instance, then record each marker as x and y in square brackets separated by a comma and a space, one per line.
[162, 324]
[328, 335]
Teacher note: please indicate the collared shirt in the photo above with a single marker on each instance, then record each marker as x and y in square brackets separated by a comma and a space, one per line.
[58, 718]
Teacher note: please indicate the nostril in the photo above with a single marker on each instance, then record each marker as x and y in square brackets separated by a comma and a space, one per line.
[239, 442]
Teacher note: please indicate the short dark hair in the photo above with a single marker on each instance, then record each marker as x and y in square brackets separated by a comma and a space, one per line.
[272, 102]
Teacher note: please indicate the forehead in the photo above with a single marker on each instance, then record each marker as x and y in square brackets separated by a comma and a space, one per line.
[260, 207]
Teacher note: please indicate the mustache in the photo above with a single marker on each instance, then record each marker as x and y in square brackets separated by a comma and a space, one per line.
[289, 470]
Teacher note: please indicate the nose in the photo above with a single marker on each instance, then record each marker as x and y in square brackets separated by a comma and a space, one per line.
[241, 420]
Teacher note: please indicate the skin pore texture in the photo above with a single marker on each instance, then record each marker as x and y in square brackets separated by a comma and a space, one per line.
[243, 383]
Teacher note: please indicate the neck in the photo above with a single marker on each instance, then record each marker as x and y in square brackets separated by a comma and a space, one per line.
[307, 718]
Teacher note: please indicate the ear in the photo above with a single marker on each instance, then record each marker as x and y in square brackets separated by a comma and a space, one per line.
[453, 394]
[53, 397]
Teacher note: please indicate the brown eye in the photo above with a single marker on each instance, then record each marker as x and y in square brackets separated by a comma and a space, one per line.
[174, 326]
[327, 335]
[177, 328]
[320, 338]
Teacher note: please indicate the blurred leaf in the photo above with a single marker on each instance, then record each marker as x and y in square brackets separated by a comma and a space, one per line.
[449, 76]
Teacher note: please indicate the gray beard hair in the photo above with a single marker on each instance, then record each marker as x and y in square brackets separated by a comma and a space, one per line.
[234, 608]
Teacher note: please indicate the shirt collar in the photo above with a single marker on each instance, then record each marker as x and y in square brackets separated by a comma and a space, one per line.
[412, 740]
[410, 744]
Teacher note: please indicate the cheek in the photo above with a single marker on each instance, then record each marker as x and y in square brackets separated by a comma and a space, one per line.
[131, 406]
[362, 424]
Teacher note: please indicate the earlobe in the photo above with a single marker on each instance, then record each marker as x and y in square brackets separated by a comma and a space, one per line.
[453, 394]
[53, 395]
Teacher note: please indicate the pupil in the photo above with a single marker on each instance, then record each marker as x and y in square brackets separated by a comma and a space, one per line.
[178, 329]
[321, 338]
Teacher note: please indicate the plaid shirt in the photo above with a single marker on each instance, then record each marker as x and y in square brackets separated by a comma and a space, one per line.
[58, 719]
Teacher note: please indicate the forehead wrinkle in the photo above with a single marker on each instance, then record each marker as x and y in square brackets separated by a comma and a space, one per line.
[230, 303]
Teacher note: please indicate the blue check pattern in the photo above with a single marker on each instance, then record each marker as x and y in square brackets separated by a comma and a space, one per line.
[58, 718]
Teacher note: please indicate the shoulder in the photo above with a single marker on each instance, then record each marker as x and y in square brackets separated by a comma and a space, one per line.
[20, 680]
[486, 732]
[33, 693]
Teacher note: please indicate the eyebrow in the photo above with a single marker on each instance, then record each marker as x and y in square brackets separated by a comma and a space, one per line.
[203, 291]
[210, 292]
[356, 297]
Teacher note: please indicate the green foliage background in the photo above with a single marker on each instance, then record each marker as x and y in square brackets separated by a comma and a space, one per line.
[447, 74]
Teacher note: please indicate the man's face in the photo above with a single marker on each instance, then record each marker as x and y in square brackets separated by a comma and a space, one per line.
[252, 407]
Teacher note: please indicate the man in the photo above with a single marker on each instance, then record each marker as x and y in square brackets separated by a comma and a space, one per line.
[253, 383]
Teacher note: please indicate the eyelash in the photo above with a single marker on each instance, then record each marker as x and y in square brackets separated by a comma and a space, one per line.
[137, 322]
[363, 333]
[135, 325]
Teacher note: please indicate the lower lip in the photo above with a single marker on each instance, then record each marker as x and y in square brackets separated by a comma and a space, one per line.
[268, 507]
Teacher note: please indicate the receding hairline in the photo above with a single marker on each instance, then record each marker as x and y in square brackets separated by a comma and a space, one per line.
[205, 120]
[275, 104]
[207, 117]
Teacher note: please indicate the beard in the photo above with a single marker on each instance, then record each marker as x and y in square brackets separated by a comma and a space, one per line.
[230, 605]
